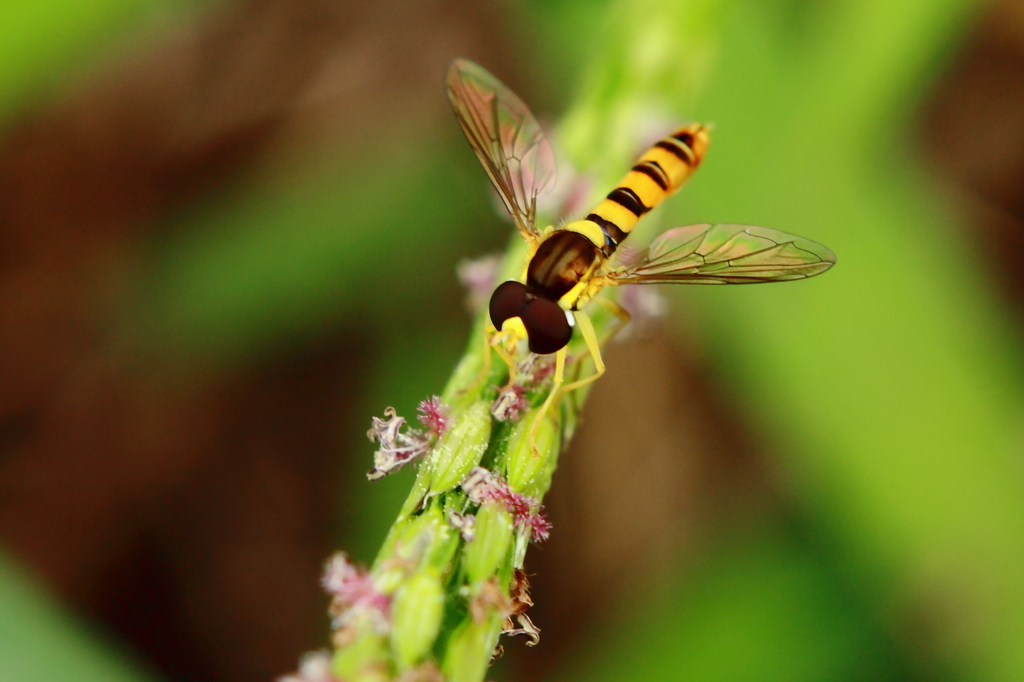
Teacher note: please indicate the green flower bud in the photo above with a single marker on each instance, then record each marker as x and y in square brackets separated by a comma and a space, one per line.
[390, 579]
[418, 533]
[364, 660]
[460, 448]
[491, 544]
[528, 471]
[469, 651]
[424, 540]
[408, 541]
[416, 618]
[420, 488]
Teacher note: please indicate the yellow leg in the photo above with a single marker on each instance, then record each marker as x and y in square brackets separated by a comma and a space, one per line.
[618, 311]
[560, 388]
[503, 354]
[586, 328]
[492, 339]
[552, 397]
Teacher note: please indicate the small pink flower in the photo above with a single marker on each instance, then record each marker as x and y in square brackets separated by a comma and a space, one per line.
[486, 486]
[397, 448]
[464, 523]
[543, 369]
[531, 372]
[540, 527]
[353, 595]
[510, 404]
[434, 416]
[479, 277]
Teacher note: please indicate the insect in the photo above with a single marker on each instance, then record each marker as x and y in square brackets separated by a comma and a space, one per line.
[568, 265]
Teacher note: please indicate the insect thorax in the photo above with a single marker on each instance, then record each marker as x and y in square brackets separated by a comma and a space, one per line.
[561, 261]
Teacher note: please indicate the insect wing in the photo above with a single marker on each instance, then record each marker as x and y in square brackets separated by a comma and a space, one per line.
[726, 254]
[506, 138]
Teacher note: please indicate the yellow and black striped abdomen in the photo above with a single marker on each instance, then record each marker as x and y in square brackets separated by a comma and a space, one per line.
[659, 172]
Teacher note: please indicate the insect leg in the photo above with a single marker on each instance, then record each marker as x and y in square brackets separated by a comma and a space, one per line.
[586, 327]
[556, 390]
[622, 315]
[485, 368]
[503, 354]
[492, 339]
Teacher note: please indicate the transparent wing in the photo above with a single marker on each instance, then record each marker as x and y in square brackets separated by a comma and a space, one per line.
[506, 138]
[726, 254]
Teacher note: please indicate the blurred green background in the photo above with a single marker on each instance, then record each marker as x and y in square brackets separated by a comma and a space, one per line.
[228, 236]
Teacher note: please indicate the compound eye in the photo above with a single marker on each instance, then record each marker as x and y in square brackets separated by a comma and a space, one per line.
[507, 302]
[546, 325]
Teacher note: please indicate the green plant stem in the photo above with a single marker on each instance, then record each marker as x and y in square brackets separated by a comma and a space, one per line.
[452, 591]
[462, 535]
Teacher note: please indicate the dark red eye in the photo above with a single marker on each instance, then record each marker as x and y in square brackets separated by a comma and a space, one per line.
[507, 302]
[546, 326]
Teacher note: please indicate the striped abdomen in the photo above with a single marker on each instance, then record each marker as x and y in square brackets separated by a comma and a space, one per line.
[658, 173]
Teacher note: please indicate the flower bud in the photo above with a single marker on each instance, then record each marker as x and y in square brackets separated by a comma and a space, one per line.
[469, 651]
[491, 544]
[364, 660]
[416, 618]
[460, 448]
[426, 540]
[529, 471]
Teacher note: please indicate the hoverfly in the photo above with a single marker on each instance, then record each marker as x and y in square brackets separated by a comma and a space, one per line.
[568, 265]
